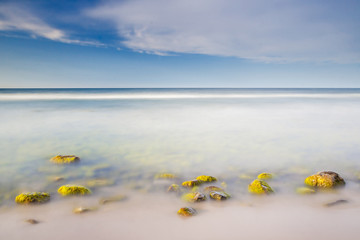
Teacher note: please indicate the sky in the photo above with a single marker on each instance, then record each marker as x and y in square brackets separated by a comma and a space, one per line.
[179, 43]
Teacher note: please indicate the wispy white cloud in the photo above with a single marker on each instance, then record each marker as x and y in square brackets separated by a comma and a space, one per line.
[15, 18]
[262, 30]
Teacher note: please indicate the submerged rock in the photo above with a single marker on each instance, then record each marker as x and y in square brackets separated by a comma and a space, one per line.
[83, 210]
[338, 202]
[265, 176]
[259, 187]
[173, 188]
[194, 197]
[32, 197]
[117, 198]
[187, 212]
[191, 183]
[58, 179]
[219, 195]
[305, 190]
[32, 221]
[65, 159]
[204, 178]
[165, 176]
[213, 188]
[73, 190]
[326, 179]
[99, 182]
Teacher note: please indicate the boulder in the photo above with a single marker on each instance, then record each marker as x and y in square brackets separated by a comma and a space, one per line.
[194, 197]
[265, 176]
[32, 197]
[259, 187]
[187, 212]
[219, 195]
[204, 178]
[73, 190]
[65, 159]
[325, 179]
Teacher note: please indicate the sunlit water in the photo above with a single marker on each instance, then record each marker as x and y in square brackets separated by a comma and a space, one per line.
[130, 135]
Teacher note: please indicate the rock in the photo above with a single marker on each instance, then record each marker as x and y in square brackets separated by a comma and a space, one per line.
[117, 198]
[191, 183]
[265, 176]
[32, 197]
[245, 176]
[193, 197]
[99, 182]
[213, 188]
[165, 176]
[58, 179]
[219, 195]
[32, 221]
[73, 190]
[326, 179]
[305, 190]
[259, 187]
[174, 188]
[338, 202]
[187, 212]
[65, 159]
[204, 178]
[82, 210]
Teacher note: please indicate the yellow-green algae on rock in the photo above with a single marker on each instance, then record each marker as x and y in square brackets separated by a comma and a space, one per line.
[59, 159]
[265, 176]
[187, 212]
[191, 183]
[213, 188]
[165, 176]
[174, 188]
[217, 195]
[32, 197]
[305, 190]
[325, 179]
[73, 190]
[193, 197]
[259, 187]
[204, 178]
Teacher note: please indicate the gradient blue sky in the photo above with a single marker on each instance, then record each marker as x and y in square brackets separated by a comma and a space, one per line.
[187, 43]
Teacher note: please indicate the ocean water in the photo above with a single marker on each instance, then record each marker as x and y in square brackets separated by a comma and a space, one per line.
[127, 136]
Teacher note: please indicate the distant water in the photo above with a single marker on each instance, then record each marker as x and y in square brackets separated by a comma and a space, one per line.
[129, 135]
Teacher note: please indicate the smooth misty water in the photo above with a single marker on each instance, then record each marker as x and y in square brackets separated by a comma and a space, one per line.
[129, 135]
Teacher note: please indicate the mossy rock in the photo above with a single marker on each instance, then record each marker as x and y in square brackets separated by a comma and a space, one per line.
[325, 179]
[305, 191]
[259, 187]
[117, 198]
[73, 190]
[173, 188]
[204, 178]
[32, 198]
[193, 197]
[100, 182]
[187, 212]
[265, 176]
[217, 195]
[65, 159]
[213, 188]
[191, 183]
[165, 176]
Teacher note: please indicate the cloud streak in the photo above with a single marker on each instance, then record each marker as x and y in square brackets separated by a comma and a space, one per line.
[14, 18]
[261, 30]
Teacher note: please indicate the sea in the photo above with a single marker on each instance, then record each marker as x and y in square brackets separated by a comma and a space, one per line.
[125, 138]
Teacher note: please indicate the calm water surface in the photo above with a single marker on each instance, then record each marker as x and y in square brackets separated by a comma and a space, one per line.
[129, 135]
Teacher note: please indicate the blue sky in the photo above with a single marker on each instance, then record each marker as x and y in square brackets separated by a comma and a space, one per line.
[167, 43]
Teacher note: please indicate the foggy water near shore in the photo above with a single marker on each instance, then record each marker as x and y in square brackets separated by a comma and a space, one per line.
[127, 136]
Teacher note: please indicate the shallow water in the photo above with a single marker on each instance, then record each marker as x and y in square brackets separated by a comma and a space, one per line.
[130, 135]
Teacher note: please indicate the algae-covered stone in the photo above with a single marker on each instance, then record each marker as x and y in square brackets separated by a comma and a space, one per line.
[213, 188]
[259, 187]
[219, 195]
[204, 178]
[174, 188]
[73, 190]
[32, 197]
[193, 197]
[100, 182]
[117, 198]
[305, 190]
[265, 176]
[65, 159]
[165, 176]
[326, 179]
[187, 212]
[191, 183]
